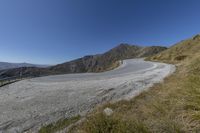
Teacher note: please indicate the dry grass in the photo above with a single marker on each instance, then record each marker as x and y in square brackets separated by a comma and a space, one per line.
[59, 125]
[173, 106]
[180, 51]
[169, 107]
[156, 110]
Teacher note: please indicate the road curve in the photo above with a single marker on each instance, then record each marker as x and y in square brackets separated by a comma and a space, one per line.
[27, 104]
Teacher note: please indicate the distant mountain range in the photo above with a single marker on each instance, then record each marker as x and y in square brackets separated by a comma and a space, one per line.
[7, 65]
[91, 63]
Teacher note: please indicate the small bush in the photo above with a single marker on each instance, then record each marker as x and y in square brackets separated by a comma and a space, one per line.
[180, 58]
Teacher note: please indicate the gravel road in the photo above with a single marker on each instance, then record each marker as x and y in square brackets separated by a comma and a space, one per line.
[27, 104]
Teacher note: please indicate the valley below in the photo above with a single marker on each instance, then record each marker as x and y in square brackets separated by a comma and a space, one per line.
[27, 105]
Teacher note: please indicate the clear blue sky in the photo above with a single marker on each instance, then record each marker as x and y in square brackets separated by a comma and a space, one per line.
[54, 31]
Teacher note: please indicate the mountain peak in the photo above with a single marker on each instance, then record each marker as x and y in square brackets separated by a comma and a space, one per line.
[123, 45]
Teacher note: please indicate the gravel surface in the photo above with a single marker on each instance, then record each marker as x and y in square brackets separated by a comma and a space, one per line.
[28, 104]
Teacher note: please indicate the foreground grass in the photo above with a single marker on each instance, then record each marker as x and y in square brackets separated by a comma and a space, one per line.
[171, 107]
[59, 125]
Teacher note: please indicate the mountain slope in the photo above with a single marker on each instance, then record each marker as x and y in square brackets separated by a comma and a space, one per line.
[108, 60]
[180, 51]
[172, 106]
[7, 65]
[92, 63]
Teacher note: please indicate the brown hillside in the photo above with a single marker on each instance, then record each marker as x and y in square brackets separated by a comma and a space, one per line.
[180, 51]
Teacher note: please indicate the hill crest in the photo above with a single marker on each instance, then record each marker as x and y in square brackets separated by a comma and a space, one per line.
[91, 63]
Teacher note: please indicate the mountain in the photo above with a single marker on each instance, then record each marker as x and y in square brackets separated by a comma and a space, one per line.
[6, 65]
[184, 50]
[176, 100]
[107, 60]
[91, 63]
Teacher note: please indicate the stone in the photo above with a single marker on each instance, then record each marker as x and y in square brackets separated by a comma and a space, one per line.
[108, 111]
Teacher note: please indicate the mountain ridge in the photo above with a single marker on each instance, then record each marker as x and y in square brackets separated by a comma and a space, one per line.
[90, 63]
[8, 65]
[181, 51]
[107, 60]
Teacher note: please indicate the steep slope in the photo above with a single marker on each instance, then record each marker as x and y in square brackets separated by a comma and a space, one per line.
[92, 63]
[179, 52]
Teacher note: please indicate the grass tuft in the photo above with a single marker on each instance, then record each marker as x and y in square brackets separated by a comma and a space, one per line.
[59, 125]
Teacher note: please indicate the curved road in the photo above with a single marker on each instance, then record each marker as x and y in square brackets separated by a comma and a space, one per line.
[28, 104]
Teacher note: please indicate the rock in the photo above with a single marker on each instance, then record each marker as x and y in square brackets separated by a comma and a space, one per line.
[108, 111]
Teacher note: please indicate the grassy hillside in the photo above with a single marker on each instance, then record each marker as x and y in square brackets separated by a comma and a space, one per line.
[169, 107]
[180, 51]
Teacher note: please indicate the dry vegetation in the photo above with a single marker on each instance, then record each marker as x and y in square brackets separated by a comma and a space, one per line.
[171, 106]
[59, 125]
[180, 51]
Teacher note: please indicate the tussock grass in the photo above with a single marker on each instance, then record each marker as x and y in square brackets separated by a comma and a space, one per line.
[156, 110]
[172, 106]
[180, 51]
[169, 107]
[59, 125]
[99, 123]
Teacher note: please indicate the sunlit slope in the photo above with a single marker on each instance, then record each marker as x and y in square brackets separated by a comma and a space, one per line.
[181, 51]
[172, 106]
